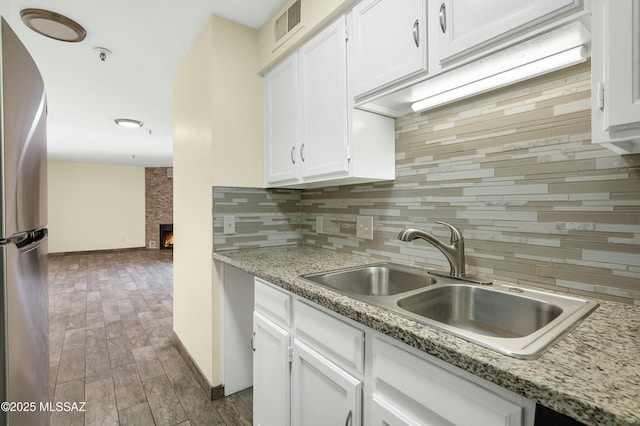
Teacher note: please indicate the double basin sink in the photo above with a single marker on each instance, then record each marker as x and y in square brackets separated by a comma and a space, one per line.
[518, 322]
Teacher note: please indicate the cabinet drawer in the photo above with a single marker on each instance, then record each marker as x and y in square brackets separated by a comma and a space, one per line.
[423, 390]
[335, 339]
[273, 303]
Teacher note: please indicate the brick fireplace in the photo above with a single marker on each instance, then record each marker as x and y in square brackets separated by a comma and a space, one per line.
[158, 203]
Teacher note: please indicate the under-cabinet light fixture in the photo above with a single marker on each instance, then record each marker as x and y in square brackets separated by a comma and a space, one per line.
[555, 62]
[127, 122]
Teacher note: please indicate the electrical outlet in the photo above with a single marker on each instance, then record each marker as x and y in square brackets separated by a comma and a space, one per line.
[364, 227]
[229, 225]
[319, 224]
[152, 244]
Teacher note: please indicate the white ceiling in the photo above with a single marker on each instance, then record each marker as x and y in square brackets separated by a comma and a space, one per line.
[148, 40]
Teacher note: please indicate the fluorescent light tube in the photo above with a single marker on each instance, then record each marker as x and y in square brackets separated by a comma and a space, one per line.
[533, 69]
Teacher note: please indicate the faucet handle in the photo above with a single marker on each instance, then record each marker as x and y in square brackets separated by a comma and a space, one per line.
[456, 234]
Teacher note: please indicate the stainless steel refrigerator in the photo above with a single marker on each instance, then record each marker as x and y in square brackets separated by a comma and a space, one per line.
[23, 235]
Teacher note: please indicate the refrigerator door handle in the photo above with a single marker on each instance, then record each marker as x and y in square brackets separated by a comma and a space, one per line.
[22, 239]
[32, 238]
[15, 238]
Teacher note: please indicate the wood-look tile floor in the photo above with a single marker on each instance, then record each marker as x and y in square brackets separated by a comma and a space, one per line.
[111, 345]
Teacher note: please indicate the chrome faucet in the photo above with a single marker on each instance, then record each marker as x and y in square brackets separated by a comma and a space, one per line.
[454, 252]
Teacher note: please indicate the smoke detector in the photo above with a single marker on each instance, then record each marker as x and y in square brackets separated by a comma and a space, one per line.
[103, 53]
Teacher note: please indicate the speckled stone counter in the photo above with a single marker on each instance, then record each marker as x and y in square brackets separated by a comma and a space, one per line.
[592, 374]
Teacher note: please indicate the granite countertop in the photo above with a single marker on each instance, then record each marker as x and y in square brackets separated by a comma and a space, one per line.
[592, 374]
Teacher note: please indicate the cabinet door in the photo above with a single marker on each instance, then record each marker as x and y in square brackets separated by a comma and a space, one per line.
[466, 24]
[387, 43]
[323, 394]
[323, 75]
[271, 373]
[281, 122]
[615, 75]
[623, 65]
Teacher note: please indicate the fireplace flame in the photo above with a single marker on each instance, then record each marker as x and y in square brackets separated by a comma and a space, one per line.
[168, 240]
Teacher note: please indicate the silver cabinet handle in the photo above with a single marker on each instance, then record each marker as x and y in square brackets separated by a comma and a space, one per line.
[349, 419]
[302, 152]
[416, 33]
[443, 18]
[293, 154]
[253, 335]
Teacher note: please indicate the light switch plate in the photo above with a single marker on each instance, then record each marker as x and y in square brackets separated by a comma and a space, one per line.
[319, 224]
[364, 227]
[229, 225]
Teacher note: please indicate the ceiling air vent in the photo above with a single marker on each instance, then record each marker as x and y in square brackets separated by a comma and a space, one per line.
[288, 20]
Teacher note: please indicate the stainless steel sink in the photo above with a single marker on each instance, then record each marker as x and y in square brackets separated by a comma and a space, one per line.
[482, 311]
[374, 280]
[518, 322]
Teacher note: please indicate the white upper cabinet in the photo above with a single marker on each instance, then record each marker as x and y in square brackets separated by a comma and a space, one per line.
[468, 25]
[323, 71]
[389, 42]
[313, 137]
[615, 71]
[281, 122]
[466, 41]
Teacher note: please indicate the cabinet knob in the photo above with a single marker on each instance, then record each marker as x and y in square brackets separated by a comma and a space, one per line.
[443, 18]
[416, 33]
[253, 335]
[302, 152]
[293, 154]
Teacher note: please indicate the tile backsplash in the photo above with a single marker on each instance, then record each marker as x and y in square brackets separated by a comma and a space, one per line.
[263, 218]
[514, 169]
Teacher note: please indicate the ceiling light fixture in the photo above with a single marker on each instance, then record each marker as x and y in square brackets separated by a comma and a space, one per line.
[127, 122]
[558, 61]
[53, 25]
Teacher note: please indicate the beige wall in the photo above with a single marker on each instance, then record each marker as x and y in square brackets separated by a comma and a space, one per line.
[315, 14]
[95, 207]
[236, 107]
[217, 141]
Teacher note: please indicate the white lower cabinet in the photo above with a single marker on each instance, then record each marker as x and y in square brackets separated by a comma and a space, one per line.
[271, 342]
[410, 390]
[323, 393]
[271, 373]
[323, 369]
[385, 413]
